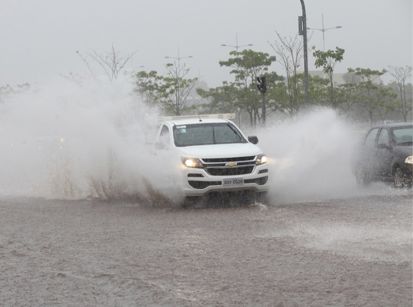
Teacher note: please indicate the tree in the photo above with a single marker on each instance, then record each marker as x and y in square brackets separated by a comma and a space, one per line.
[151, 86]
[327, 60]
[248, 68]
[180, 84]
[401, 75]
[318, 90]
[290, 52]
[112, 63]
[346, 96]
[385, 101]
[222, 99]
[276, 93]
[369, 93]
[171, 91]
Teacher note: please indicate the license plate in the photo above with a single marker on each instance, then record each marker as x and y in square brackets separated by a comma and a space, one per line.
[232, 181]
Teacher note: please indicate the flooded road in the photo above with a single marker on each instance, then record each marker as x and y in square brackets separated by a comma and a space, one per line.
[346, 252]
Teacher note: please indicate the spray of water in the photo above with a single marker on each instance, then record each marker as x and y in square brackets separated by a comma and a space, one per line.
[63, 140]
[311, 156]
[69, 141]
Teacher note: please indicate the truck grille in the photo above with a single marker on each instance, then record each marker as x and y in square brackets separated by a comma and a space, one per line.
[228, 159]
[230, 171]
[229, 166]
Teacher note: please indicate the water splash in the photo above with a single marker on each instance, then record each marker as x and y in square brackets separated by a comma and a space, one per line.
[63, 140]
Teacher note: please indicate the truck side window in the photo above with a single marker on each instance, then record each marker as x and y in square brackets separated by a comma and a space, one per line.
[164, 136]
[371, 138]
[384, 138]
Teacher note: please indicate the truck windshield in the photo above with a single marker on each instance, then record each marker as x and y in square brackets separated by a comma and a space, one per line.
[206, 134]
[403, 135]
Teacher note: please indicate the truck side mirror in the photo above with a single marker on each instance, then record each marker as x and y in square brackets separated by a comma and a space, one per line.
[253, 139]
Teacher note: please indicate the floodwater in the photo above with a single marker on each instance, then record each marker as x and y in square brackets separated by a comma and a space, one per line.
[339, 252]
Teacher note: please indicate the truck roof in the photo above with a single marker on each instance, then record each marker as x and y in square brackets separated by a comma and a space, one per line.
[394, 125]
[191, 121]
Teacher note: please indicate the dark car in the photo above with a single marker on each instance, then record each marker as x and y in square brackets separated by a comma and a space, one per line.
[386, 154]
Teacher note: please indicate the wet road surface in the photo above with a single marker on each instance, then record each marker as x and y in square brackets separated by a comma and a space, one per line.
[349, 252]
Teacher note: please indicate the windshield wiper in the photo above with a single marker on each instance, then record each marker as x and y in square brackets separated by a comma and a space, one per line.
[405, 143]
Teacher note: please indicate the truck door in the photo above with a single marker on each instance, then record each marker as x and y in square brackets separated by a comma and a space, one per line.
[384, 153]
[368, 160]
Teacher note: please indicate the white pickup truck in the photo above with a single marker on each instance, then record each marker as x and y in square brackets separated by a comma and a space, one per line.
[214, 156]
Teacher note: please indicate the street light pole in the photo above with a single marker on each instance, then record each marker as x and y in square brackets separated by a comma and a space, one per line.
[236, 46]
[302, 30]
[323, 29]
[178, 58]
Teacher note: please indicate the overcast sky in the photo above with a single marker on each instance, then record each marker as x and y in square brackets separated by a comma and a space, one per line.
[39, 38]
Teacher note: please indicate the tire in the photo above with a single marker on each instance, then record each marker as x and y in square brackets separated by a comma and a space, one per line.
[398, 178]
[262, 197]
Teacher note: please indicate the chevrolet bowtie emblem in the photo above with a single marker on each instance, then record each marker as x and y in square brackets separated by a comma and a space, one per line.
[231, 164]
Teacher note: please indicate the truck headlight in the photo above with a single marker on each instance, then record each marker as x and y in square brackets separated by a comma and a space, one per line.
[261, 159]
[409, 160]
[192, 162]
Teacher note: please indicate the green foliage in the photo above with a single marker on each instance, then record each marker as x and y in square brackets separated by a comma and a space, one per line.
[246, 66]
[222, 99]
[277, 98]
[170, 91]
[361, 96]
[318, 90]
[327, 60]
[368, 94]
[404, 91]
[367, 74]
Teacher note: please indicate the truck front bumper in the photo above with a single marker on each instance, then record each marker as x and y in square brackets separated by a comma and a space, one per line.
[198, 181]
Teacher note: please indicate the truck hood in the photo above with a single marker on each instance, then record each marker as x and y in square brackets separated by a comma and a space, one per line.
[220, 151]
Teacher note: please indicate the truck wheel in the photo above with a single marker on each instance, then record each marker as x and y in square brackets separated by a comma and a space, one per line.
[262, 197]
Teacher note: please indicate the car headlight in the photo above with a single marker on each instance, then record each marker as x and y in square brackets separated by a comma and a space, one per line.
[192, 162]
[409, 160]
[261, 159]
